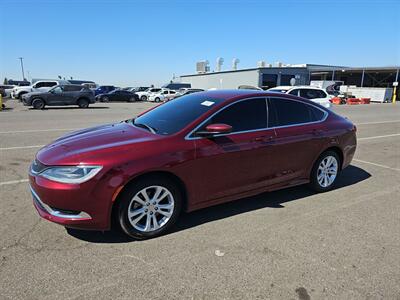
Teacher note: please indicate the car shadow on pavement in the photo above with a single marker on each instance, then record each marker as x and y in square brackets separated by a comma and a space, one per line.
[349, 176]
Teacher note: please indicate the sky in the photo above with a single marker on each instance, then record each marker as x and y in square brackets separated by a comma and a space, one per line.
[138, 43]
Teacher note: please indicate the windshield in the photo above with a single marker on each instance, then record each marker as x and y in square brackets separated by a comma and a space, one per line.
[173, 116]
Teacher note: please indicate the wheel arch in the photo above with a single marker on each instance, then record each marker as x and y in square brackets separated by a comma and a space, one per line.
[339, 152]
[334, 148]
[82, 98]
[164, 174]
[39, 98]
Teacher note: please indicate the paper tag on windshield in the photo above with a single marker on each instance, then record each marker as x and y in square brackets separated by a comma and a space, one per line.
[207, 103]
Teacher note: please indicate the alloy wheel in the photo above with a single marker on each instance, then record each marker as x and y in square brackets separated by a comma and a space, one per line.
[327, 171]
[151, 208]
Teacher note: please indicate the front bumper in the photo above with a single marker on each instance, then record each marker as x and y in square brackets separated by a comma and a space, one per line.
[50, 213]
[84, 206]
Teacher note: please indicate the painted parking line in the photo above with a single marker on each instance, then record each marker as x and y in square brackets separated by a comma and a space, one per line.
[377, 137]
[38, 130]
[376, 165]
[380, 122]
[13, 182]
[22, 147]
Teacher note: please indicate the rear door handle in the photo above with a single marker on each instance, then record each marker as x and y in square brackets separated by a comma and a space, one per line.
[317, 132]
[264, 139]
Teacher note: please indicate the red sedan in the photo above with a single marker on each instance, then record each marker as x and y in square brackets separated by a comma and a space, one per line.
[200, 150]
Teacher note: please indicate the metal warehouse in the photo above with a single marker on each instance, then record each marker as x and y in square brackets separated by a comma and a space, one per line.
[303, 74]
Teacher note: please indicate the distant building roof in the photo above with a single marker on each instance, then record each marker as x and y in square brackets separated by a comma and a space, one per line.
[311, 67]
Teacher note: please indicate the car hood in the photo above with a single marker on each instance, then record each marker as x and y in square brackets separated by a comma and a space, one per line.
[93, 144]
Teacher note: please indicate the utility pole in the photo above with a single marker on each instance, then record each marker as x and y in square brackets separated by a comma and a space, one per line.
[22, 67]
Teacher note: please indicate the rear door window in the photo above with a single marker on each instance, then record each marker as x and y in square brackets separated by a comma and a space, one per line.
[45, 84]
[285, 112]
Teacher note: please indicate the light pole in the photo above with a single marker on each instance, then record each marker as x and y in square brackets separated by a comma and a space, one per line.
[22, 67]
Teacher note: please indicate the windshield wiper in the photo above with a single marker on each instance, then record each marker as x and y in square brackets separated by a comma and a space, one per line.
[145, 126]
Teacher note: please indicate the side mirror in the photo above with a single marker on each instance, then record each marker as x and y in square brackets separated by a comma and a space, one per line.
[214, 129]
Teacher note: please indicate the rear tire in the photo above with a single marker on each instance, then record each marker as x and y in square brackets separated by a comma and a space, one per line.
[83, 103]
[38, 103]
[157, 99]
[325, 172]
[143, 98]
[143, 218]
[132, 99]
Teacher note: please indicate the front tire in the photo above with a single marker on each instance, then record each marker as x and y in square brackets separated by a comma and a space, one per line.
[149, 207]
[143, 98]
[83, 103]
[38, 103]
[157, 99]
[325, 172]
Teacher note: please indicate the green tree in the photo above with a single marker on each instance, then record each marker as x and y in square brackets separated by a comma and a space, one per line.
[5, 80]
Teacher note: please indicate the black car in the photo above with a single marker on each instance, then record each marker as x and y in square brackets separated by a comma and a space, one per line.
[66, 94]
[118, 95]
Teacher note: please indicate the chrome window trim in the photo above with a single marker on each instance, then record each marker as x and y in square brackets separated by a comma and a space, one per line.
[189, 137]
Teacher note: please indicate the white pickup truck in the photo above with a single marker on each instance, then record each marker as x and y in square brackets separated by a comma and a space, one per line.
[38, 86]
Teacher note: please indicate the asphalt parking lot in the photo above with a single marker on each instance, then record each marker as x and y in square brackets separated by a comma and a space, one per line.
[290, 244]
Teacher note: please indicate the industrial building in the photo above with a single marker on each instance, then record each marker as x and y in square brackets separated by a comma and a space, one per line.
[270, 76]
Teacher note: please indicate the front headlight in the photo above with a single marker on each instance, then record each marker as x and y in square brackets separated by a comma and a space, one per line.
[72, 174]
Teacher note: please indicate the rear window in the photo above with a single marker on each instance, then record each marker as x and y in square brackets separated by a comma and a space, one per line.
[73, 88]
[173, 116]
[312, 93]
[45, 84]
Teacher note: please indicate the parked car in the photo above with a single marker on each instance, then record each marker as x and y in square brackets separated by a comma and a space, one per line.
[145, 94]
[60, 95]
[18, 82]
[6, 89]
[162, 96]
[184, 92]
[312, 93]
[87, 83]
[206, 149]
[140, 89]
[137, 89]
[176, 85]
[249, 87]
[38, 86]
[118, 95]
[104, 89]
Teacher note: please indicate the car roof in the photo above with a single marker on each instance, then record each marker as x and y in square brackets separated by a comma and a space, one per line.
[235, 94]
